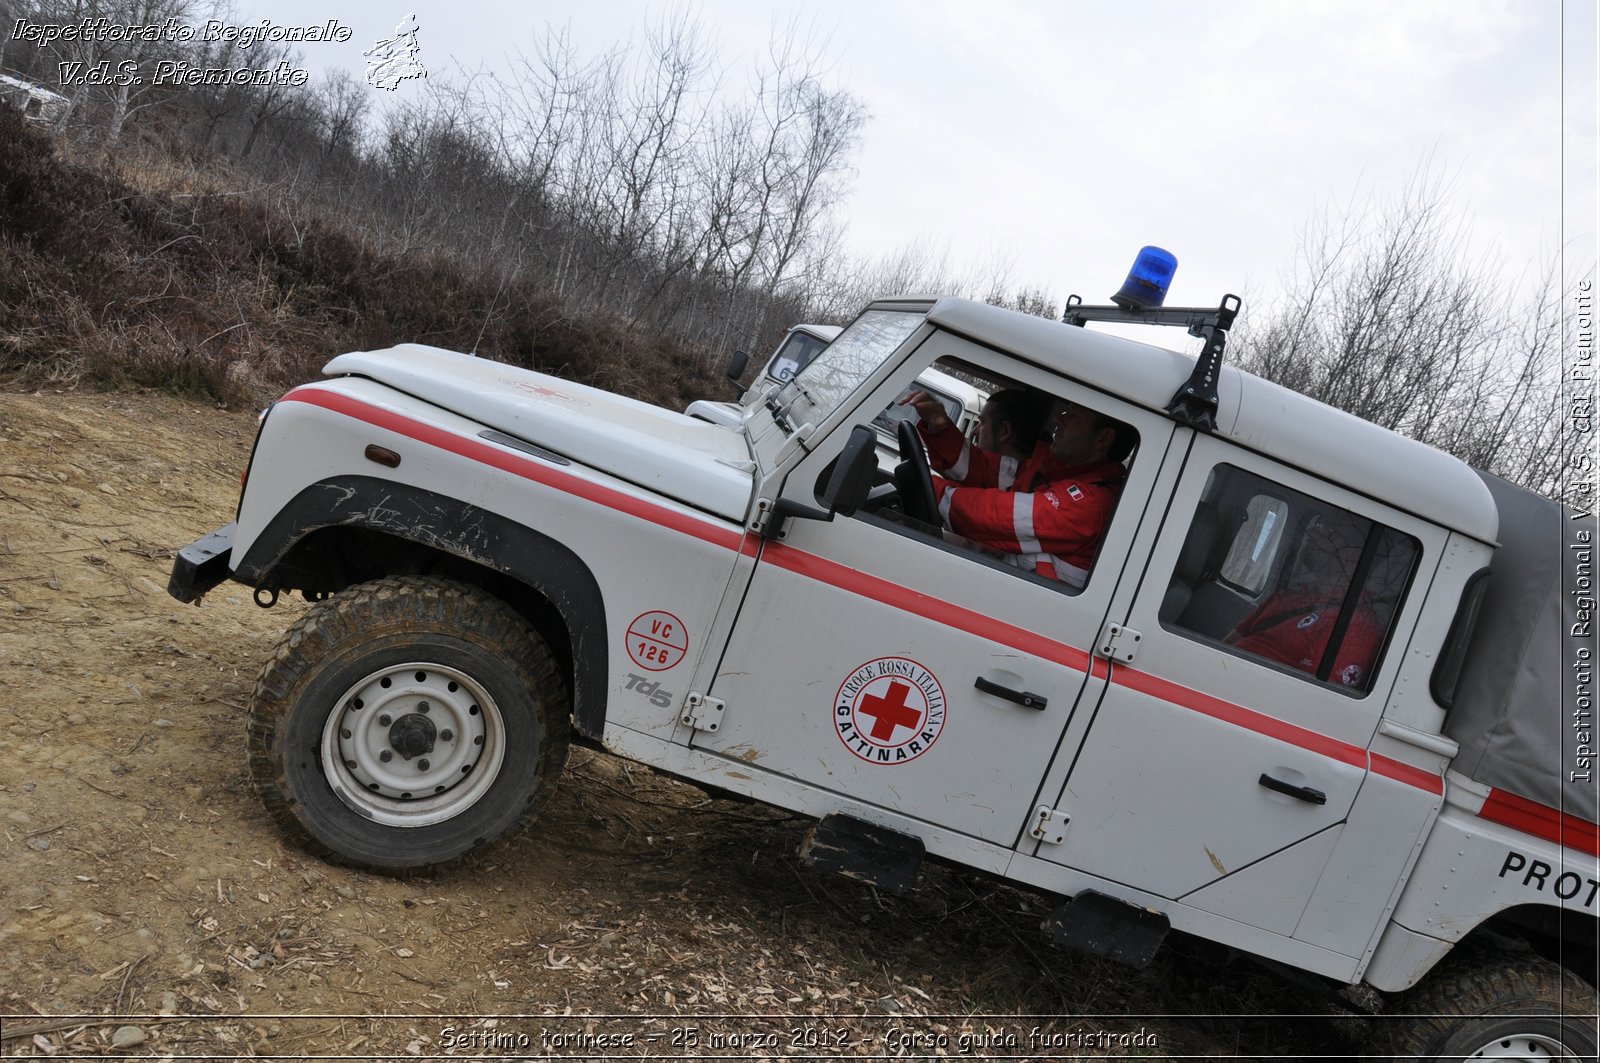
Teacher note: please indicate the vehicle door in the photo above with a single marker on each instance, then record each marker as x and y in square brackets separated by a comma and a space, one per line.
[1223, 775]
[894, 668]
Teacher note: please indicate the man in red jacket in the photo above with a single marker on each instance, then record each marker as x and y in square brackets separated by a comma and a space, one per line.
[1052, 519]
[1009, 451]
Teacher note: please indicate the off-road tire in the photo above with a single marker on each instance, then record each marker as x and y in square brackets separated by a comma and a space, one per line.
[1491, 1005]
[397, 626]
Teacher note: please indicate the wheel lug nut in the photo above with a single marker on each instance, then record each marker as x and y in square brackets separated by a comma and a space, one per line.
[423, 707]
[422, 765]
[447, 735]
[386, 756]
[385, 720]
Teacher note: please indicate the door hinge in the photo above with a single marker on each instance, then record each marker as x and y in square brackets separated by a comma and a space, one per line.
[758, 523]
[1117, 643]
[702, 713]
[1050, 825]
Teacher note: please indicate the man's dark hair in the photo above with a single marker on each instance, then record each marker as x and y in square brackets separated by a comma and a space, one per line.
[1127, 437]
[1025, 411]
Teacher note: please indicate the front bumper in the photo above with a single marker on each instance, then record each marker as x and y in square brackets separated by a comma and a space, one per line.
[202, 565]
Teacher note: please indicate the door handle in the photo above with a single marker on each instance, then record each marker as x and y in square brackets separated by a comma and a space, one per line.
[1302, 793]
[1021, 697]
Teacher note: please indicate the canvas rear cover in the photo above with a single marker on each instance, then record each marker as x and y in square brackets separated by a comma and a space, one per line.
[1523, 706]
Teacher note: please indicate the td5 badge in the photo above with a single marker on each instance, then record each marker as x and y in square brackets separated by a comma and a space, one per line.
[649, 688]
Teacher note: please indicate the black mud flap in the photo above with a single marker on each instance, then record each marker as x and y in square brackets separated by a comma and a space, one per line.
[863, 851]
[201, 565]
[1104, 926]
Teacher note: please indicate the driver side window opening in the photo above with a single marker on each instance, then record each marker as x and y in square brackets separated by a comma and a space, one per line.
[1018, 477]
[1275, 575]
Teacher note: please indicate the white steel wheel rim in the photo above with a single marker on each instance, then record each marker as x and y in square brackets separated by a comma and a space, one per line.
[443, 735]
[1524, 1046]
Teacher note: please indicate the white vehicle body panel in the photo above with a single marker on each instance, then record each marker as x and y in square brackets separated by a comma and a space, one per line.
[1204, 722]
[1472, 868]
[853, 591]
[654, 448]
[678, 561]
[37, 103]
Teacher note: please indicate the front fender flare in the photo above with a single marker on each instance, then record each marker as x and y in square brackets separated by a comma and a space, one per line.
[457, 528]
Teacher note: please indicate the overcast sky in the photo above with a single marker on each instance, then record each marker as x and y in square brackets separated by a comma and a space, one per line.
[1058, 137]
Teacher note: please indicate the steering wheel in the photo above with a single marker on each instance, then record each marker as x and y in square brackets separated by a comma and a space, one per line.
[914, 479]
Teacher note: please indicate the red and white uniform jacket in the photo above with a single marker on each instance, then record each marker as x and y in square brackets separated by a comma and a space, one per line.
[955, 458]
[1293, 628]
[1054, 530]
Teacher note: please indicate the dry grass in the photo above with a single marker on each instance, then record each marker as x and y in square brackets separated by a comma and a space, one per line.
[147, 270]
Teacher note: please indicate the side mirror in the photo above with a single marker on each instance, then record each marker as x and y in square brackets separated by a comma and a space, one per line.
[853, 473]
[848, 485]
[736, 367]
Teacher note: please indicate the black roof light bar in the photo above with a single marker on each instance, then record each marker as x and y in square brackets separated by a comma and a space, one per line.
[1195, 403]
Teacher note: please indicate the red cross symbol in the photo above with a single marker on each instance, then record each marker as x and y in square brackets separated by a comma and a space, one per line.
[890, 712]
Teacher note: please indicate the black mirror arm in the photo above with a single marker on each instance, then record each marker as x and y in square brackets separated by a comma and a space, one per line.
[784, 509]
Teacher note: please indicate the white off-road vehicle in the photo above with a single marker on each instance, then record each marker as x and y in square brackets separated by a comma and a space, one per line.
[504, 562]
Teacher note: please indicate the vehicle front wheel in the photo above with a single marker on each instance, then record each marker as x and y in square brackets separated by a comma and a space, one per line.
[1493, 1006]
[404, 722]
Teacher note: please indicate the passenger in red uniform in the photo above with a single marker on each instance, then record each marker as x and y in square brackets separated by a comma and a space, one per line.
[1293, 625]
[1009, 452]
[1054, 529]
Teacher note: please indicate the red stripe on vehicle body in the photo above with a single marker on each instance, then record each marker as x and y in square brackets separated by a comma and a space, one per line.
[518, 465]
[1542, 821]
[895, 595]
[924, 605]
[1407, 773]
[1238, 715]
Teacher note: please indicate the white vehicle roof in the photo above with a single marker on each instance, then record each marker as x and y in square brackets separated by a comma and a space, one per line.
[826, 333]
[1252, 412]
[38, 92]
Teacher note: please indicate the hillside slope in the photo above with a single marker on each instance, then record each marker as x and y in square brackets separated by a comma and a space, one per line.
[145, 270]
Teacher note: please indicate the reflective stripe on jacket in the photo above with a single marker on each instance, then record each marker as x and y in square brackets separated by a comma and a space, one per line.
[1054, 531]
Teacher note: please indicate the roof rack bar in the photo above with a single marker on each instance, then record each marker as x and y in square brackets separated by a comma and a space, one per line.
[1195, 403]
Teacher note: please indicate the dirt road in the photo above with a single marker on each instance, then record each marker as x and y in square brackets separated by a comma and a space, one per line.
[148, 906]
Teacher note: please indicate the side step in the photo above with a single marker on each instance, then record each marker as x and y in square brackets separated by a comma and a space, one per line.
[1104, 926]
[863, 851]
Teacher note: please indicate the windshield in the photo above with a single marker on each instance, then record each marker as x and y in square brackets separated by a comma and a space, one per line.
[847, 361]
[797, 352]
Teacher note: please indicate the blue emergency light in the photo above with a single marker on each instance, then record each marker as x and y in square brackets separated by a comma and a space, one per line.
[1148, 280]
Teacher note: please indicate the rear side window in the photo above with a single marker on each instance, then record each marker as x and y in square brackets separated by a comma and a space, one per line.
[1288, 580]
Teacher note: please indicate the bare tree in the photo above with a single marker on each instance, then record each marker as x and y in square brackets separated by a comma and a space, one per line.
[128, 94]
[108, 75]
[272, 99]
[10, 13]
[1391, 318]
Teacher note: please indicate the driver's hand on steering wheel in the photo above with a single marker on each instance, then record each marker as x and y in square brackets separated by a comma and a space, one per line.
[930, 411]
